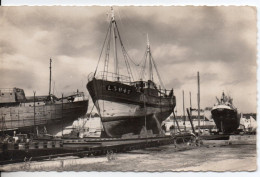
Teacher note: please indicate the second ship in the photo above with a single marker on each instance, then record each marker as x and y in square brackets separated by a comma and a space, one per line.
[225, 115]
[42, 114]
[129, 107]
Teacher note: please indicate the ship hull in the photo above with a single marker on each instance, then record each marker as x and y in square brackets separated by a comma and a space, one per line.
[54, 117]
[128, 112]
[226, 119]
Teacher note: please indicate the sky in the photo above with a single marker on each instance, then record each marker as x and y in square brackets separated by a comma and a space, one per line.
[219, 42]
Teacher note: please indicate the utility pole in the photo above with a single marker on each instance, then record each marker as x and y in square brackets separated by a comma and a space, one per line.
[199, 103]
[34, 112]
[62, 114]
[190, 102]
[184, 118]
[190, 107]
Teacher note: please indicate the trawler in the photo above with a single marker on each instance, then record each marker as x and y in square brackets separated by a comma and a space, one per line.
[128, 106]
[47, 114]
[225, 115]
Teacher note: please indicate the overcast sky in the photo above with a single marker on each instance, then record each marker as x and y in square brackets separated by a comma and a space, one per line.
[219, 42]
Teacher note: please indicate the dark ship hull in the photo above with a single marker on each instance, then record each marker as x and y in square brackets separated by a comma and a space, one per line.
[52, 117]
[124, 109]
[225, 118]
[17, 112]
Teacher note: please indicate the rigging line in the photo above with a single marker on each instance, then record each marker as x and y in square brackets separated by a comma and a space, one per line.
[102, 48]
[144, 67]
[84, 122]
[128, 66]
[132, 24]
[133, 60]
[124, 53]
[142, 73]
[140, 69]
[127, 39]
[158, 74]
[107, 55]
[126, 60]
[122, 26]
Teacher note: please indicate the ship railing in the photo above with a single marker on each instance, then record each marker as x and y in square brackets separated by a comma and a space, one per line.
[165, 92]
[145, 85]
[6, 90]
[109, 76]
[90, 77]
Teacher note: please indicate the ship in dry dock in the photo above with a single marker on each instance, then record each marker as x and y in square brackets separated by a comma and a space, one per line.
[47, 114]
[225, 115]
[126, 106]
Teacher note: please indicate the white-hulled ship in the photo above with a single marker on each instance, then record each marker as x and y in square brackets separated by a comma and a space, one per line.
[225, 115]
[124, 105]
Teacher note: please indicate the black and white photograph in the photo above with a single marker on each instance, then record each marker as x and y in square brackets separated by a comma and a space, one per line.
[128, 88]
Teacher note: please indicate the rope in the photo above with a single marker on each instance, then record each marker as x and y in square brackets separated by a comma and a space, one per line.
[107, 55]
[158, 74]
[84, 123]
[142, 72]
[128, 41]
[102, 48]
[125, 54]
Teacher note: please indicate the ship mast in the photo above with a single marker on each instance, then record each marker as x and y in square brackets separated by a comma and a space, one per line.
[113, 32]
[50, 79]
[151, 64]
[198, 75]
[150, 60]
[116, 70]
